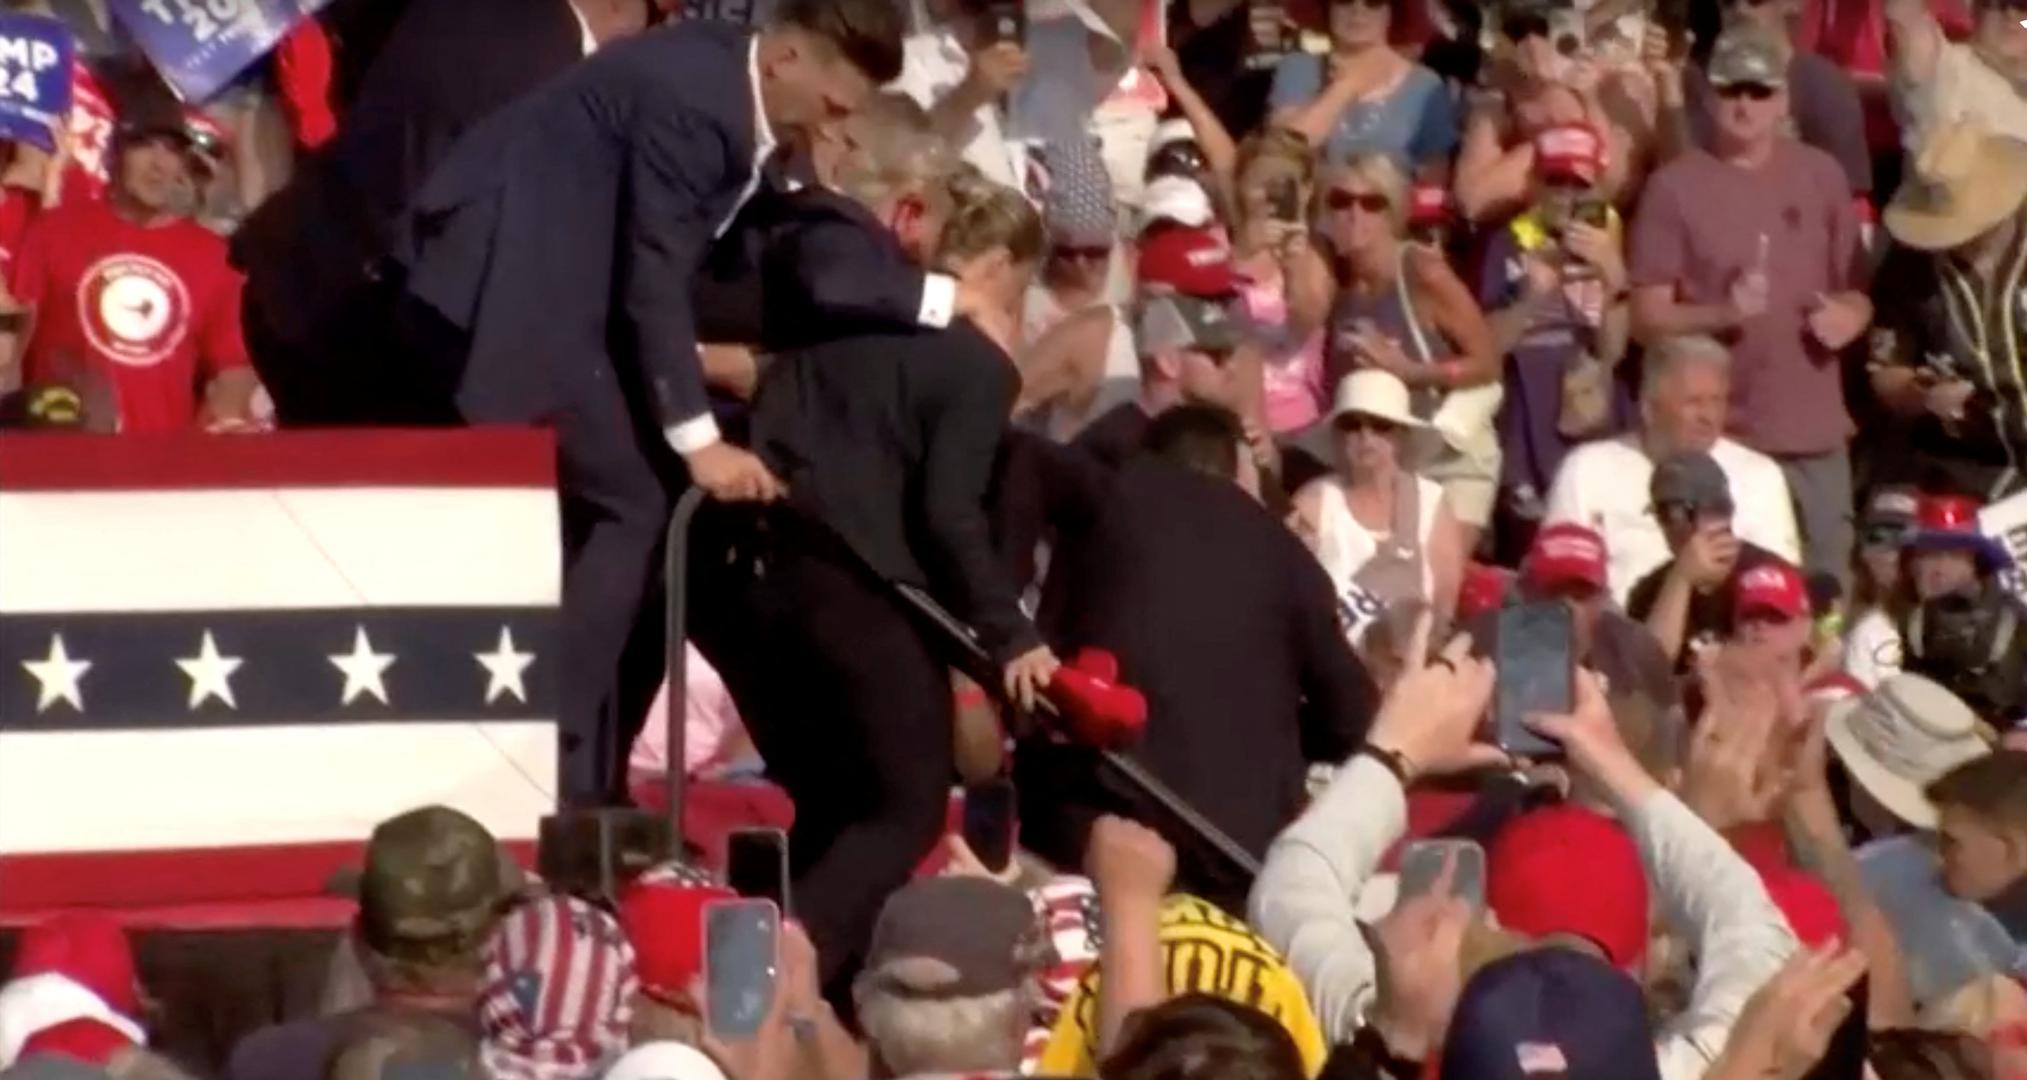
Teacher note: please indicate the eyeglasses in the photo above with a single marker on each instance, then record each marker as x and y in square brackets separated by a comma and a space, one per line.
[1340, 200]
[1748, 90]
[1521, 27]
[1069, 253]
[1356, 423]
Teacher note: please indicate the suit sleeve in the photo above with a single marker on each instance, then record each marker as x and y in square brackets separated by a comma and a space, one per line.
[680, 169]
[1338, 696]
[962, 425]
[837, 275]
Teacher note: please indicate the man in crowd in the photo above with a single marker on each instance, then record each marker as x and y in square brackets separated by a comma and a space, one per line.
[434, 885]
[1982, 828]
[548, 268]
[1568, 563]
[1687, 600]
[1822, 99]
[1216, 612]
[1685, 394]
[1184, 273]
[1936, 81]
[1770, 612]
[1948, 358]
[131, 303]
[1756, 240]
[1968, 632]
[313, 315]
[957, 64]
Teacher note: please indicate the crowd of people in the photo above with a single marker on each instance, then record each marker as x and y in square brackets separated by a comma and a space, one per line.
[1195, 386]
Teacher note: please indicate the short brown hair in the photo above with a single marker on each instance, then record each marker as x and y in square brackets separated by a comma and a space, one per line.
[1993, 786]
[866, 32]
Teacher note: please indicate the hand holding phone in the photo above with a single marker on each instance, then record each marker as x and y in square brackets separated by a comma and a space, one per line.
[1422, 865]
[741, 966]
[1536, 665]
[1285, 197]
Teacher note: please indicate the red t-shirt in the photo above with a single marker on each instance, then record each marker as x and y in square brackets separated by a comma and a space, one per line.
[140, 312]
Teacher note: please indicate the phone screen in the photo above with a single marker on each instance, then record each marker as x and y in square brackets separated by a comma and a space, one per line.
[989, 817]
[1006, 22]
[1422, 863]
[1536, 673]
[1286, 195]
[740, 950]
[756, 865]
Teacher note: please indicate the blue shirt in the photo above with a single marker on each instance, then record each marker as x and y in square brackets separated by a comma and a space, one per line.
[1415, 124]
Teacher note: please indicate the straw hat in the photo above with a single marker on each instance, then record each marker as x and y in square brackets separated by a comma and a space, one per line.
[1898, 739]
[1964, 182]
[1375, 393]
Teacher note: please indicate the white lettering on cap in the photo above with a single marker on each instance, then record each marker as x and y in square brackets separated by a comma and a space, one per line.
[1541, 1058]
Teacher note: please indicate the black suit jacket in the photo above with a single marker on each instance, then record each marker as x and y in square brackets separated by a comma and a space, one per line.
[888, 439]
[803, 266]
[1229, 626]
[443, 66]
[561, 235]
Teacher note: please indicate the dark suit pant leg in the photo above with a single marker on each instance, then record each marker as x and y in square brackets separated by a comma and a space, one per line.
[852, 713]
[615, 509]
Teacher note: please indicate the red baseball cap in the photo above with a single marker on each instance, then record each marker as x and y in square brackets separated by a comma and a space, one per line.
[1771, 586]
[1428, 204]
[664, 918]
[1193, 262]
[1531, 886]
[93, 1042]
[88, 948]
[1565, 554]
[1570, 151]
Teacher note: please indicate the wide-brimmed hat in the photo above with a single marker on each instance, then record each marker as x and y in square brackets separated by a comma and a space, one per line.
[1899, 738]
[1375, 393]
[1964, 182]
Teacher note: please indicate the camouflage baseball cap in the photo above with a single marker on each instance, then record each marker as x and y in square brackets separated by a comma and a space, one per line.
[1748, 56]
[432, 887]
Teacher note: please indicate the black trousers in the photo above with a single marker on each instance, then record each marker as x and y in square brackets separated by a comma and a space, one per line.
[850, 704]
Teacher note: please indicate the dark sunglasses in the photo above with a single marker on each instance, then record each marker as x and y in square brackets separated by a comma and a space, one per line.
[1339, 201]
[1068, 252]
[1749, 91]
[1353, 423]
[1181, 158]
[1521, 27]
[1886, 536]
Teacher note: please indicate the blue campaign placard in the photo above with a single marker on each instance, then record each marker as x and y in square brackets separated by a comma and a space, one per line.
[35, 56]
[200, 45]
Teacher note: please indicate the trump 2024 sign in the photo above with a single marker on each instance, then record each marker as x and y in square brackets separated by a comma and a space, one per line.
[35, 56]
[200, 45]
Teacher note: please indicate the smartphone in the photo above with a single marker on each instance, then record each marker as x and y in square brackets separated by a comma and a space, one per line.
[990, 821]
[741, 950]
[1536, 673]
[756, 865]
[1422, 863]
[1286, 197]
[1006, 22]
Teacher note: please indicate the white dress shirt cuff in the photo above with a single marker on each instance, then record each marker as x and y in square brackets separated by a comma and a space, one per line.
[939, 300]
[693, 434]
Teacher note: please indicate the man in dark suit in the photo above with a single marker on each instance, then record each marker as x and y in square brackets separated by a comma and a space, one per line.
[1226, 623]
[886, 440]
[313, 314]
[546, 277]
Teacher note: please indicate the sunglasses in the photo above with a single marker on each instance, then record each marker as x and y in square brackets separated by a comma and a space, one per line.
[1749, 91]
[1177, 159]
[1884, 536]
[1069, 253]
[1521, 27]
[1356, 423]
[1339, 201]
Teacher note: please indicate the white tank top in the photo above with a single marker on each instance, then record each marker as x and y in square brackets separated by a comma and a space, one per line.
[1344, 545]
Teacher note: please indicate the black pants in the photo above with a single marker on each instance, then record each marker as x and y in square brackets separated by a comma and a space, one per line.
[850, 704]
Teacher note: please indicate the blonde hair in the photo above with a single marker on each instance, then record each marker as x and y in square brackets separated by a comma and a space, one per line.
[894, 150]
[1278, 144]
[985, 215]
[1382, 174]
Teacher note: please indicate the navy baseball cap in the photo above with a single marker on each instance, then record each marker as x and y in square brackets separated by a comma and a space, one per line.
[1550, 1012]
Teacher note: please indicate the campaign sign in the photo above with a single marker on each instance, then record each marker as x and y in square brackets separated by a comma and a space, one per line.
[200, 45]
[2006, 522]
[35, 55]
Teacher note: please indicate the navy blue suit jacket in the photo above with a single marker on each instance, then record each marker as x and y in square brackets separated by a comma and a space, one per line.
[561, 235]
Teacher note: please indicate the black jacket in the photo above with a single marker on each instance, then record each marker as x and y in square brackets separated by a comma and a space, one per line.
[1228, 625]
[562, 234]
[444, 66]
[889, 440]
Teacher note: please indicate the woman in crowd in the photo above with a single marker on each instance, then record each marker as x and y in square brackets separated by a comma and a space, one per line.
[1386, 536]
[1285, 282]
[993, 243]
[1401, 310]
[1078, 358]
[1881, 594]
[1365, 97]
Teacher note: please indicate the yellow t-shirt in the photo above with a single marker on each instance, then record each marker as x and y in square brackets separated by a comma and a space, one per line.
[1205, 951]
